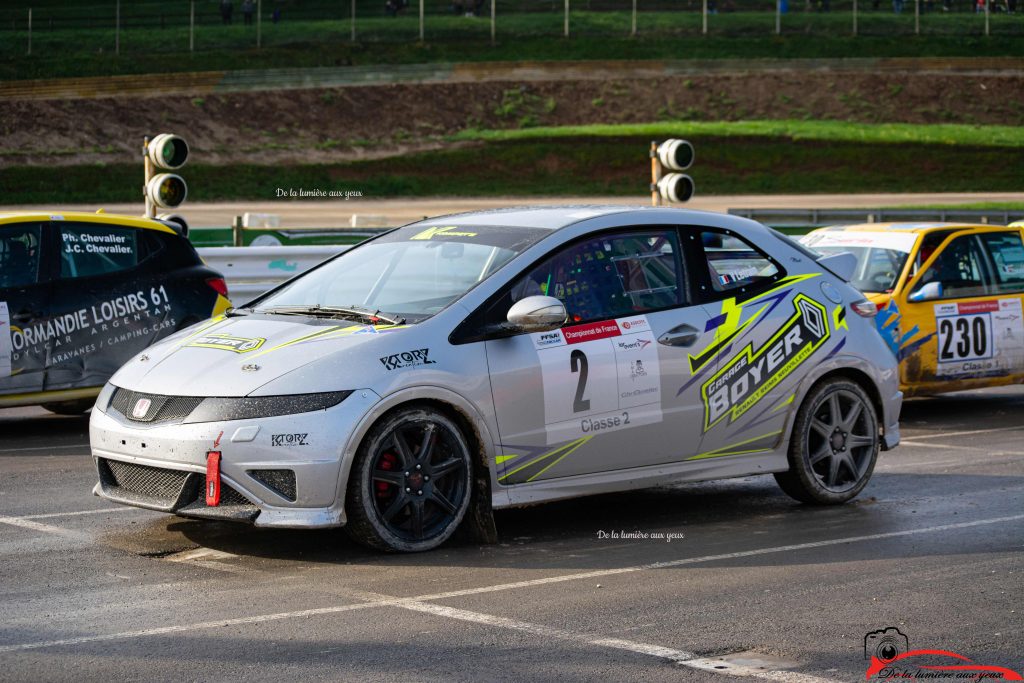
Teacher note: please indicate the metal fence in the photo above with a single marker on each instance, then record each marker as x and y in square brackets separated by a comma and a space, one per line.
[176, 26]
[251, 271]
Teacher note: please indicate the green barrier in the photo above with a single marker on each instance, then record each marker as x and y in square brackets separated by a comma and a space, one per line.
[222, 237]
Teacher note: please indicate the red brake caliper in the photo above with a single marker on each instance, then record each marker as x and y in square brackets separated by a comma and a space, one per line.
[388, 462]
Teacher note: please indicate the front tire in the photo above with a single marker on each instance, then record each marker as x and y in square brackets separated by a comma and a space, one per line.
[410, 484]
[834, 445]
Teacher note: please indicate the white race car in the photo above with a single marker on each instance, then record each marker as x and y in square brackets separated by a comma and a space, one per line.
[503, 358]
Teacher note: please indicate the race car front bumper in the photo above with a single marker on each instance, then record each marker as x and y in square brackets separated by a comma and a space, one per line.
[282, 471]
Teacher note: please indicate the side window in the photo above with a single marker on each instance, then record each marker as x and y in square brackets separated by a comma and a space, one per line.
[610, 276]
[19, 254]
[95, 249]
[1007, 254]
[958, 270]
[733, 263]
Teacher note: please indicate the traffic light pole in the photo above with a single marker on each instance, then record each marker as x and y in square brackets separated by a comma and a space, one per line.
[655, 174]
[147, 169]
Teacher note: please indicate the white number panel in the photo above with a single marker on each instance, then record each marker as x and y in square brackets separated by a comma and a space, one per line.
[599, 377]
[979, 337]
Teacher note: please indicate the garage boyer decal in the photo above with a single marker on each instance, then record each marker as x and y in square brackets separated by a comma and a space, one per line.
[751, 375]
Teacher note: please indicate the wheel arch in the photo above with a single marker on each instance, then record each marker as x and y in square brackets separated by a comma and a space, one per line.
[852, 371]
[479, 522]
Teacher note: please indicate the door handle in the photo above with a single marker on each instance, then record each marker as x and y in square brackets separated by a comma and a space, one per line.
[682, 335]
[25, 316]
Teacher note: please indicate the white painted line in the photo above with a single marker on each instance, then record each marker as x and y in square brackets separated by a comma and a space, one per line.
[76, 513]
[926, 463]
[44, 448]
[681, 657]
[208, 559]
[966, 433]
[45, 528]
[713, 558]
[257, 619]
[508, 586]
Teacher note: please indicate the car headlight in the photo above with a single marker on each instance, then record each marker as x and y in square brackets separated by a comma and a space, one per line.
[103, 400]
[224, 409]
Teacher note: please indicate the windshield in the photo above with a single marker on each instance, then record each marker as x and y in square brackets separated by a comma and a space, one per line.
[880, 255]
[406, 275]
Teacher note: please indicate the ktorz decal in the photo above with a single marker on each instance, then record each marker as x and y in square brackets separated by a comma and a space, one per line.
[750, 375]
[288, 439]
[407, 359]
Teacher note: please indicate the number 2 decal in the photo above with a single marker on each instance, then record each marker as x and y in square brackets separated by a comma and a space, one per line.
[578, 363]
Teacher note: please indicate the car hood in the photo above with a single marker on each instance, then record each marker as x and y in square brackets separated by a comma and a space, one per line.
[236, 356]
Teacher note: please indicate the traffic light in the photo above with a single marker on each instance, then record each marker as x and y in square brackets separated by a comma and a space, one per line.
[674, 156]
[164, 190]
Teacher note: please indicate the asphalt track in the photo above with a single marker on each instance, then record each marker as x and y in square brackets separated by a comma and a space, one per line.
[757, 586]
[391, 212]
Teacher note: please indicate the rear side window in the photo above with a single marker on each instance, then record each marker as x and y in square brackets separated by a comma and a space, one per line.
[1007, 254]
[19, 254]
[733, 263]
[88, 249]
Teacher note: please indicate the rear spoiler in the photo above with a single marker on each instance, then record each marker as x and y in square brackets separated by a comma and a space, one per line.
[842, 265]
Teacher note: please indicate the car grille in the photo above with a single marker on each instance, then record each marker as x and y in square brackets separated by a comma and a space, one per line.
[170, 490]
[161, 408]
[152, 482]
[281, 482]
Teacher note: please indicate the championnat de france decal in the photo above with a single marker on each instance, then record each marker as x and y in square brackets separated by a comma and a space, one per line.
[599, 377]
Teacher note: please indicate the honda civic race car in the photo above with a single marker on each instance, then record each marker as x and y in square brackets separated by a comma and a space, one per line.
[504, 358]
[81, 293]
[949, 298]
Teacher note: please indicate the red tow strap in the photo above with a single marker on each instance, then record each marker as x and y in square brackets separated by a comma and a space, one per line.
[213, 478]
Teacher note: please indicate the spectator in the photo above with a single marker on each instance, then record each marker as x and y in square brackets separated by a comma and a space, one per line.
[247, 9]
[897, 6]
[275, 16]
[226, 9]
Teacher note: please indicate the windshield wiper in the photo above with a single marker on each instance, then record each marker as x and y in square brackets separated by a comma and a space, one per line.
[332, 312]
[236, 312]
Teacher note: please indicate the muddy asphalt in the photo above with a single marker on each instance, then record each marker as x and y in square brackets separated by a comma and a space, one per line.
[758, 586]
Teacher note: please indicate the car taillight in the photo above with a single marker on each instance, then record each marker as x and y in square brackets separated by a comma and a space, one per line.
[218, 285]
[864, 308]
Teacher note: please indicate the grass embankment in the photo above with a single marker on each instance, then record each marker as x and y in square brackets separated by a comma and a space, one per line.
[146, 47]
[732, 158]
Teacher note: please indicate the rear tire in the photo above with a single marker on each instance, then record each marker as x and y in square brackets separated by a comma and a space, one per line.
[410, 484]
[834, 445]
[70, 407]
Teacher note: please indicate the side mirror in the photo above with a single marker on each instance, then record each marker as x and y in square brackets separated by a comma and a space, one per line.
[537, 314]
[927, 292]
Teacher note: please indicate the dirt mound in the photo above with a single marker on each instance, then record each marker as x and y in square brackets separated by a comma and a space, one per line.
[366, 122]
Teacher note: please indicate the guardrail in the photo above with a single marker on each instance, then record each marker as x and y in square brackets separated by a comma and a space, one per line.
[251, 271]
[799, 221]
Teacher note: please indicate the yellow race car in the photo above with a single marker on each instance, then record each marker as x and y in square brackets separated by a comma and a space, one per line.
[81, 293]
[948, 295]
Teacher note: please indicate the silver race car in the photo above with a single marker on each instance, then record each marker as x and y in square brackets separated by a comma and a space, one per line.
[487, 360]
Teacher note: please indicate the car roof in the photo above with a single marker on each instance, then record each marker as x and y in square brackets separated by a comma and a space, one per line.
[7, 218]
[909, 227]
[557, 217]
